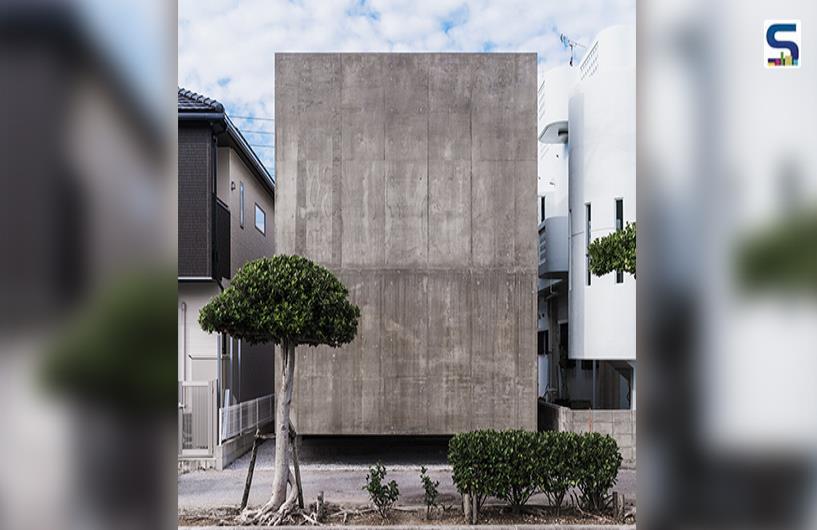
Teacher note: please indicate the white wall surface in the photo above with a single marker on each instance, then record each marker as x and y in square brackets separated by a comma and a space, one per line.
[554, 94]
[596, 166]
[198, 343]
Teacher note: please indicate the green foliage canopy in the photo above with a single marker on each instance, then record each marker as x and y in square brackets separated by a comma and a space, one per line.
[613, 252]
[781, 257]
[119, 350]
[283, 299]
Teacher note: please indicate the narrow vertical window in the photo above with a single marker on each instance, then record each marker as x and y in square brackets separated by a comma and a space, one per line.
[241, 204]
[619, 226]
[587, 241]
[541, 209]
[260, 220]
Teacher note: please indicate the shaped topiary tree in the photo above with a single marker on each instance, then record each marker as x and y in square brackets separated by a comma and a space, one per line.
[289, 301]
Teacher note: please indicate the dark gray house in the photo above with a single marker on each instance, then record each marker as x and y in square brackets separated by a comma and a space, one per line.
[226, 215]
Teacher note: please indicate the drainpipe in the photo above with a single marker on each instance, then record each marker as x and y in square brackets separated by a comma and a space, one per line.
[184, 341]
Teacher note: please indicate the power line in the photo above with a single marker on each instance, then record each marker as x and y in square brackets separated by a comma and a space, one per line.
[257, 132]
[263, 145]
[264, 118]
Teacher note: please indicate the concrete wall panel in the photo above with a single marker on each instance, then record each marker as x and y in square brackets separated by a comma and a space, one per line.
[363, 213]
[406, 229]
[449, 93]
[449, 213]
[319, 178]
[451, 132]
[286, 205]
[407, 175]
[493, 212]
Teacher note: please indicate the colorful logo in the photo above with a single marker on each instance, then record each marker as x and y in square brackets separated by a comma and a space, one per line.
[782, 43]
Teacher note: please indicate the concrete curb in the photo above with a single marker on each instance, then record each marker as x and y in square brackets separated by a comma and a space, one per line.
[440, 527]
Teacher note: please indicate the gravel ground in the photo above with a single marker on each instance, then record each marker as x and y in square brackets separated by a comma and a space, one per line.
[339, 470]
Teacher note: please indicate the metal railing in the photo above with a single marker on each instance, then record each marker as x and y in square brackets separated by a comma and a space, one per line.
[197, 400]
[245, 417]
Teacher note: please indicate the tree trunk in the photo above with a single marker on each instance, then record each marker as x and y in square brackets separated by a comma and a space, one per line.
[280, 479]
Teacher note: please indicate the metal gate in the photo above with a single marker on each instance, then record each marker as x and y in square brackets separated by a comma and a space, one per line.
[197, 417]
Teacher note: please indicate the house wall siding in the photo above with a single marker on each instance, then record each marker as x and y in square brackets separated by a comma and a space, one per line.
[195, 202]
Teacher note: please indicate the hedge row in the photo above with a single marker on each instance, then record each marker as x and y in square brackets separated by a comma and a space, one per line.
[513, 465]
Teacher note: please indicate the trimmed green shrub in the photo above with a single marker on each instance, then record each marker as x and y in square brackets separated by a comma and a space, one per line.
[470, 455]
[558, 461]
[516, 466]
[513, 465]
[383, 496]
[597, 462]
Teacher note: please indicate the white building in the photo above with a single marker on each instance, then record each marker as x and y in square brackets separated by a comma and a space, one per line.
[587, 164]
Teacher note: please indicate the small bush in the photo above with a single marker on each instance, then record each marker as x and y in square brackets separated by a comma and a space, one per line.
[430, 492]
[558, 460]
[513, 465]
[470, 457]
[597, 462]
[383, 496]
[516, 466]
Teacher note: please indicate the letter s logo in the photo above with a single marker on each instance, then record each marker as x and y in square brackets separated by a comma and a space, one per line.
[787, 44]
[775, 49]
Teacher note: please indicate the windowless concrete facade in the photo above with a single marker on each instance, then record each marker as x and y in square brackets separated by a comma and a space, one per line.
[410, 176]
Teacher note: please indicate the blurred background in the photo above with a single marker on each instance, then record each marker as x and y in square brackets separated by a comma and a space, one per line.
[87, 295]
[727, 266]
[727, 263]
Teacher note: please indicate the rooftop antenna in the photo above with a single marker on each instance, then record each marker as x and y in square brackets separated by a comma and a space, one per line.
[568, 43]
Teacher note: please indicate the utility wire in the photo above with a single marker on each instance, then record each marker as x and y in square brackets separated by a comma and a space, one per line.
[264, 118]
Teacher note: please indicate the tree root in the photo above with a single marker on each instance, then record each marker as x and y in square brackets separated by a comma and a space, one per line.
[345, 513]
[288, 512]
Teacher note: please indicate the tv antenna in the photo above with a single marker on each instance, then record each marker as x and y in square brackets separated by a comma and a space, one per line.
[568, 43]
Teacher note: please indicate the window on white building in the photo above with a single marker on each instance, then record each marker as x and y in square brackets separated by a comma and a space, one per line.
[241, 204]
[619, 226]
[587, 241]
[541, 209]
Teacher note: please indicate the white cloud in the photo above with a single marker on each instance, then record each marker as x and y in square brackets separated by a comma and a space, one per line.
[227, 47]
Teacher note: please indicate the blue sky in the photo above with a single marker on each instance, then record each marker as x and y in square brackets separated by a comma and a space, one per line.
[227, 47]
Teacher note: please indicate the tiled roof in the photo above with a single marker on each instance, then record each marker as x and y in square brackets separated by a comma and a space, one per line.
[189, 101]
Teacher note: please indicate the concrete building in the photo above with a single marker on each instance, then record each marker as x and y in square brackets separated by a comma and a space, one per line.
[226, 212]
[410, 177]
[587, 161]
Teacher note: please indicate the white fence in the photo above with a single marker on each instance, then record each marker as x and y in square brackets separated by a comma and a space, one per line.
[245, 417]
[197, 401]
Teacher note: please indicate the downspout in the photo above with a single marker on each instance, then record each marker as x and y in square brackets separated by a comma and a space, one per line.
[184, 341]
[222, 342]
